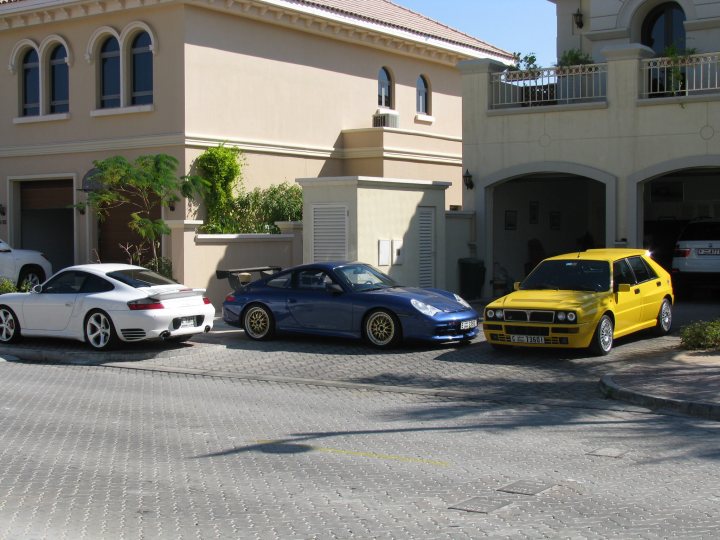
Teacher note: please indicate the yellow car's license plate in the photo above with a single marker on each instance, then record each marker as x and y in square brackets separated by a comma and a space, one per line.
[527, 339]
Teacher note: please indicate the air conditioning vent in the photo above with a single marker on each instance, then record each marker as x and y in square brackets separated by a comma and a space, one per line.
[386, 120]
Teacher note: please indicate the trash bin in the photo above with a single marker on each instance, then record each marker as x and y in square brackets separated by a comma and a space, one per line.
[472, 277]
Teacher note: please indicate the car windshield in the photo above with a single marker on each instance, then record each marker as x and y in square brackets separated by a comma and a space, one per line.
[140, 277]
[569, 275]
[361, 277]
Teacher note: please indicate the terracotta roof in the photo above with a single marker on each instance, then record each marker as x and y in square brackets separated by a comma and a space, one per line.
[393, 16]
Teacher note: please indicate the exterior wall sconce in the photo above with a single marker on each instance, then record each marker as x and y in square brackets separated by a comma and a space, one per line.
[578, 18]
[467, 180]
[3, 210]
[171, 206]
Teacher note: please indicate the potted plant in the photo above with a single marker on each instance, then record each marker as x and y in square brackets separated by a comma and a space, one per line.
[575, 82]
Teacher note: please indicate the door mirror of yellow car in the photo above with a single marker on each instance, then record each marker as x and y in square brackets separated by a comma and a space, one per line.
[624, 287]
[516, 286]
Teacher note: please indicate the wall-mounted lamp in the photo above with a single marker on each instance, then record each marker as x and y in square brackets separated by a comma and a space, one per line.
[2, 210]
[171, 206]
[467, 180]
[578, 18]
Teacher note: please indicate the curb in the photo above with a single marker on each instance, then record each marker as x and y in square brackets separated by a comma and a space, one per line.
[611, 389]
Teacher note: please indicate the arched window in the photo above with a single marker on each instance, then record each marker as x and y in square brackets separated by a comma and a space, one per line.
[110, 74]
[423, 95]
[59, 81]
[385, 90]
[142, 70]
[31, 84]
[663, 28]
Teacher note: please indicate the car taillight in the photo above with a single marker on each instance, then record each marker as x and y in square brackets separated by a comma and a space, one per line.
[145, 303]
[230, 298]
[681, 252]
[206, 300]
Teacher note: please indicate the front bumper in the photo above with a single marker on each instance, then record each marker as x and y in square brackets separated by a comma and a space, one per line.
[450, 328]
[538, 335]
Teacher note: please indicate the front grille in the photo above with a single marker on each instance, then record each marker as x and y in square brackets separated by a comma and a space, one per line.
[527, 330]
[133, 334]
[522, 315]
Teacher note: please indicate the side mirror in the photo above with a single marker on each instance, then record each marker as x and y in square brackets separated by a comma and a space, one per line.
[623, 287]
[36, 289]
[516, 286]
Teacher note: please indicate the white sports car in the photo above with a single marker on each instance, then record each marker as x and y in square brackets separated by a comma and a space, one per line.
[103, 304]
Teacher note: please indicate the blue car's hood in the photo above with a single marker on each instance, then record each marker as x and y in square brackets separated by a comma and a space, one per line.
[428, 296]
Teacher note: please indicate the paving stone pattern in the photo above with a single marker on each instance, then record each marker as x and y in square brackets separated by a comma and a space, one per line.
[92, 452]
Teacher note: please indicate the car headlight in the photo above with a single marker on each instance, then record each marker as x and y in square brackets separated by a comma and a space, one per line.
[461, 300]
[425, 309]
[565, 316]
[494, 314]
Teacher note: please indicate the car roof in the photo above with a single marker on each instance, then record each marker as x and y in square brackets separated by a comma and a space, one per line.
[103, 268]
[603, 254]
[325, 265]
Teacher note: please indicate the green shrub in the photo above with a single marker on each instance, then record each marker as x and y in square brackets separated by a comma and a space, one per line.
[7, 286]
[701, 335]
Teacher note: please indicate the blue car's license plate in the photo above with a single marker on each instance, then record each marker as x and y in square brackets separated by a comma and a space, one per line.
[466, 325]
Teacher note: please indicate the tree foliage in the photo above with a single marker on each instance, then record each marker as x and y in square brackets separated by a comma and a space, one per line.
[230, 208]
[142, 184]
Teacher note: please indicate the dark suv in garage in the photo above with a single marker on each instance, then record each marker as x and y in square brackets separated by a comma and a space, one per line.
[696, 259]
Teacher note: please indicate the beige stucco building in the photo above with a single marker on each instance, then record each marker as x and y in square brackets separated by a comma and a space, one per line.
[623, 151]
[305, 88]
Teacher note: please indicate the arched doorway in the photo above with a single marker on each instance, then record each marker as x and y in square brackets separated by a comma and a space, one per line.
[663, 29]
[540, 215]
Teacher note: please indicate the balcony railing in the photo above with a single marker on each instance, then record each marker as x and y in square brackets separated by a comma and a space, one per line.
[687, 75]
[549, 86]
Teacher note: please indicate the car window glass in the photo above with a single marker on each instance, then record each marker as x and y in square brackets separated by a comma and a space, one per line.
[361, 277]
[641, 270]
[279, 282]
[96, 284]
[65, 283]
[701, 230]
[140, 277]
[569, 275]
[313, 279]
[622, 273]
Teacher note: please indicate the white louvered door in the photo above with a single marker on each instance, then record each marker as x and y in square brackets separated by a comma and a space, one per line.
[329, 233]
[426, 234]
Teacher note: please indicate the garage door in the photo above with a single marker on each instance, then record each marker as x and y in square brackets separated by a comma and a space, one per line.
[46, 220]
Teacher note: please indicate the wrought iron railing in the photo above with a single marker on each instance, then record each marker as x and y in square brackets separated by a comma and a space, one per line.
[549, 86]
[681, 76]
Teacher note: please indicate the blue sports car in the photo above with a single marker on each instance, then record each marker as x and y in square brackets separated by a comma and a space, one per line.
[345, 300]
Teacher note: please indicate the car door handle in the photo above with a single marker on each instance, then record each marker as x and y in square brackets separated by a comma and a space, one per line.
[637, 291]
[658, 284]
[68, 304]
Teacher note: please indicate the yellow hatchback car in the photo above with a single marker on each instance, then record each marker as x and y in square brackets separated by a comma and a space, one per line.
[583, 300]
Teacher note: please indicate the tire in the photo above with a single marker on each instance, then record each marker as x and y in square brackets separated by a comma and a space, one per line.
[258, 322]
[381, 329]
[664, 318]
[100, 331]
[602, 340]
[32, 275]
[9, 325]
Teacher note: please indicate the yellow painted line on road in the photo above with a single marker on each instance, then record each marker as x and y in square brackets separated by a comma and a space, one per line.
[371, 455]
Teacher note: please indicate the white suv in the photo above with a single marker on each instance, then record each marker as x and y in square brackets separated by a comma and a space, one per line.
[23, 265]
[696, 259]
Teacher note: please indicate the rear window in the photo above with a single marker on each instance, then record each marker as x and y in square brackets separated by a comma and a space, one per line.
[140, 277]
[707, 230]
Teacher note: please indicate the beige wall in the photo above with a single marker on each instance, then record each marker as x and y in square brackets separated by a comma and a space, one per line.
[619, 144]
[381, 209]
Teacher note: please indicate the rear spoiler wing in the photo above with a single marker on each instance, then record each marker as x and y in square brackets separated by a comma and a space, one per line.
[182, 293]
[239, 277]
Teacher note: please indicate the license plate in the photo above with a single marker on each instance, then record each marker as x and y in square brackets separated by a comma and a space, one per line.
[465, 325]
[187, 322]
[527, 339]
[708, 251]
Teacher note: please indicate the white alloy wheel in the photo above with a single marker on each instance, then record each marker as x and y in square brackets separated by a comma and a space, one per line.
[9, 327]
[603, 338]
[99, 331]
[664, 320]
